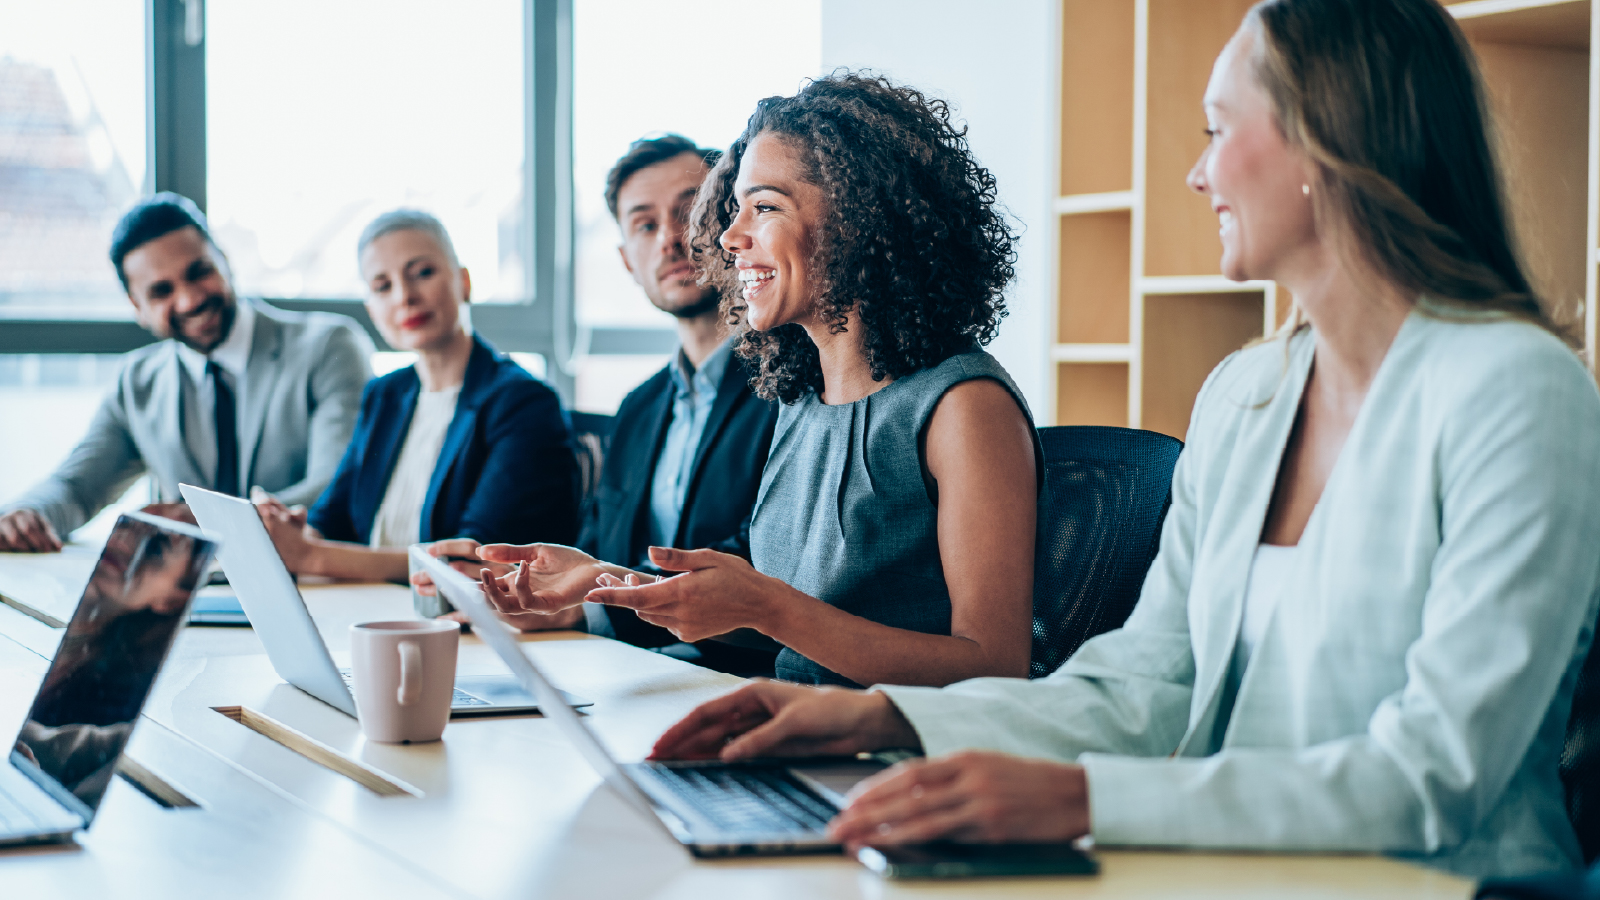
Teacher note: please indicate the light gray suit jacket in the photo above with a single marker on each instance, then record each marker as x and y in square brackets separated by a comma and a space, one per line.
[302, 391]
[1410, 694]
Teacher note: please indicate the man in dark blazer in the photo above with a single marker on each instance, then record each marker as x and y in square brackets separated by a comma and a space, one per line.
[235, 395]
[688, 445]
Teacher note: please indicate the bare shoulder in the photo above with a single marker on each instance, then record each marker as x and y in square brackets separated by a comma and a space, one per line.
[979, 419]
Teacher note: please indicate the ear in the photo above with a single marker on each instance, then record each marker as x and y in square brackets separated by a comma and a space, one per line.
[466, 285]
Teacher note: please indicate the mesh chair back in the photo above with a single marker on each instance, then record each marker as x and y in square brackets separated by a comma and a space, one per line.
[1107, 491]
[1580, 759]
[591, 438]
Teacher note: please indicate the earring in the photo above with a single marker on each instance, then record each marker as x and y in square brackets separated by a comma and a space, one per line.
[1305, 189]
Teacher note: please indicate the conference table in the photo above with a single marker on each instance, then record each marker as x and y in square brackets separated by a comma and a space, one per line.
[238, 785]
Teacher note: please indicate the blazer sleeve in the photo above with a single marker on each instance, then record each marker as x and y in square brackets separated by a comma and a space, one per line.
[97, 471]
[1508, 613]
[1126, 691]
[337, 379]
[527, 490]
[331, 515]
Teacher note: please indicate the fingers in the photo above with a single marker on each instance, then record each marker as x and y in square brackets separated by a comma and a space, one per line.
[674, 560]
[916, 800]
[26, 531]
[509, 553]
[462, 547]
[423, 584]
[456, 616]
[705, 730]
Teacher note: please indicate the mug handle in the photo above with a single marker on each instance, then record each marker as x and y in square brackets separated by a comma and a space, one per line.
[410, 672]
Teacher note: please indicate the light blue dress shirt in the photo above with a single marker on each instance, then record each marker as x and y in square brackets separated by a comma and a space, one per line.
[694, 393]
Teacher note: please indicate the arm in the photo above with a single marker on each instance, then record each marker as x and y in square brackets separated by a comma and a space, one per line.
[980, 451]
[97, 471]
[336, 384]
[527, 489]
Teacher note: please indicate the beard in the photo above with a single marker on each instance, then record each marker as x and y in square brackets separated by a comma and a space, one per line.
[694, 309]
[228, 308]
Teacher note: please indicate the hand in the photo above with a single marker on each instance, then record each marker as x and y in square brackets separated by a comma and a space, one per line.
[525, 622]
[296, 515]
[26, 531]
[770, 718]
[974, 796]
[176, 511]
[549, 579]
[463, 556]
[287, 526]
[717, 593]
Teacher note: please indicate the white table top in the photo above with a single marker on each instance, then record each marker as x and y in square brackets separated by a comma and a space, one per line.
[507, 808]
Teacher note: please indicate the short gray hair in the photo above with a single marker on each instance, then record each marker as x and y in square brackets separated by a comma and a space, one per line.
[407, 220]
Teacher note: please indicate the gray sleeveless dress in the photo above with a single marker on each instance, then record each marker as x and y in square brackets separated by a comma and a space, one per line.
[844, 513]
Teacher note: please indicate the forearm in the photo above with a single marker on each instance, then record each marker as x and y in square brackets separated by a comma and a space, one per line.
[339, 559]
[868, 653]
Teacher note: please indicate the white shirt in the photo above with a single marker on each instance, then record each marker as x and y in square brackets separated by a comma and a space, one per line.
[1269, 578]
[399, 519]
[199, 400]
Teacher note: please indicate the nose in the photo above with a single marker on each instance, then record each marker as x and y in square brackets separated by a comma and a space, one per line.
[406, 292]
[737, 237]
[190, 297]
[674, 237]
[1196, 179]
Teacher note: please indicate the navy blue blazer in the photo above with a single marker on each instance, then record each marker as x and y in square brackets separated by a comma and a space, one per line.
[506, 472]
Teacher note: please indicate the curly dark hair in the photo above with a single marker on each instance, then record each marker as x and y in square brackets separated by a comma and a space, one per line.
[914, 244]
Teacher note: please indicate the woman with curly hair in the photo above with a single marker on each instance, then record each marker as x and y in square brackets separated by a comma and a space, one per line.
[863, 250]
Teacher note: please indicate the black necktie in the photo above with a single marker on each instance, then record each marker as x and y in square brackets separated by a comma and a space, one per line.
[227, 480]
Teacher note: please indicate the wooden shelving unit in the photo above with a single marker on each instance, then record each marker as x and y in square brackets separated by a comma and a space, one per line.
[1142, 312]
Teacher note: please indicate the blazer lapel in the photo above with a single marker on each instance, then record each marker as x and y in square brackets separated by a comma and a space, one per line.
[474, 390]
[166, 402]
[656, 419]
[261, 378]
[730, 393]
[1250, 480]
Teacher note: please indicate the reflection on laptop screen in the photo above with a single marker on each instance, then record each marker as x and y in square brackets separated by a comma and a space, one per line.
[110, 654]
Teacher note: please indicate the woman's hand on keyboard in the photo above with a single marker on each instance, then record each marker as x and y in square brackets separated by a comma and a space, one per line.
[767, 718]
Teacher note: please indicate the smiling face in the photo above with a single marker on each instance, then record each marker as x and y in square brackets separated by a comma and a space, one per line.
[653, 213]
[178, 284]
[1257, 183]
[773, 235]
[414, 293]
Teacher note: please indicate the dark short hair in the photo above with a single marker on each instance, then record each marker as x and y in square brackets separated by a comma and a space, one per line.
[646, 152]
[150, 218]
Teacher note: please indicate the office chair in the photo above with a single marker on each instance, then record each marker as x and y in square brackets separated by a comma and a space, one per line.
[1580, 759]
[591, 438]
[1106, 494]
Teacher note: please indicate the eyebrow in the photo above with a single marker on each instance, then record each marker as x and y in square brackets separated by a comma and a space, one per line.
[413, 261]
[639, 208]
[754, 188]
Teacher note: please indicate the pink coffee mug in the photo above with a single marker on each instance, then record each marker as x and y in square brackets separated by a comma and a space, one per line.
[403, 674]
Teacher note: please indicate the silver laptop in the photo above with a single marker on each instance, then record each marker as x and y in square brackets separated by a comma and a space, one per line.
[278, 613]
[713, 808]
[64, 757]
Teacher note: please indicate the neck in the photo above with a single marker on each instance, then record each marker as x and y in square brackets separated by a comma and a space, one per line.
[701, 335]
[444, 367]
[846, 376]
[1356, 315]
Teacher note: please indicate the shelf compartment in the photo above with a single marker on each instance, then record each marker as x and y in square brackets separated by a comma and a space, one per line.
[1539, 96]
[1180, 232]
[1093, 393]
[1097, 46]
[1094, 277]
[1534, 23]
[1185, 336]
[1091, 353]
[1078, 204]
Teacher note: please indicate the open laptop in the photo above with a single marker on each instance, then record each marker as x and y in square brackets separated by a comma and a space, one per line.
[713, 808]
[66, 753]
[275, 608]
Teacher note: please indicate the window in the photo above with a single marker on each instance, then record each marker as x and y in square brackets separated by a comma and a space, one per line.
[322, 115]
[72, 151]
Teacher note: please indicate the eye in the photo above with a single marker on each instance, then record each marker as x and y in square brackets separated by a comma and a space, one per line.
[765, 207]
[425, 272]
[1211, 134]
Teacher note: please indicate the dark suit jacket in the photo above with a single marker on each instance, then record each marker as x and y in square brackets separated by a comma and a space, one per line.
[722, 485]
[506, 472]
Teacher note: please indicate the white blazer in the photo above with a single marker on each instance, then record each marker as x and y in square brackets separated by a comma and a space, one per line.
[1411, 691]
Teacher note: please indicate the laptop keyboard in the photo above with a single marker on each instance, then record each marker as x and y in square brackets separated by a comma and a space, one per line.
[752, 799]
[458, 700]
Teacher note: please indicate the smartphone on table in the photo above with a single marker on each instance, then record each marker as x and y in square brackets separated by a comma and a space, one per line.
[945, 859]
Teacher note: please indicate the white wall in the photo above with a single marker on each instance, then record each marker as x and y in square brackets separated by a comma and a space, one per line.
[994, 62]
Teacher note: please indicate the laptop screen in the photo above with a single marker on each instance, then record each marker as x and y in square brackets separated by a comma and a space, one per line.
[109, 656]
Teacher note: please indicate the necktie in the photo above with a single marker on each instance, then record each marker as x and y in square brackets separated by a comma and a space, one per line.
[227, 480]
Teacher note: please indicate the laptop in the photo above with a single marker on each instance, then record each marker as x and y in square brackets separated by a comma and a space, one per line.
[715, 809]
[66, 753]
[270, 599]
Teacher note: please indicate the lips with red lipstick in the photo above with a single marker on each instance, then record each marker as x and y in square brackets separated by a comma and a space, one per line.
[415, 321]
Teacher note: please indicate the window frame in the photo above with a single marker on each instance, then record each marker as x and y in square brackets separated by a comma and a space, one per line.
[543, 322]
